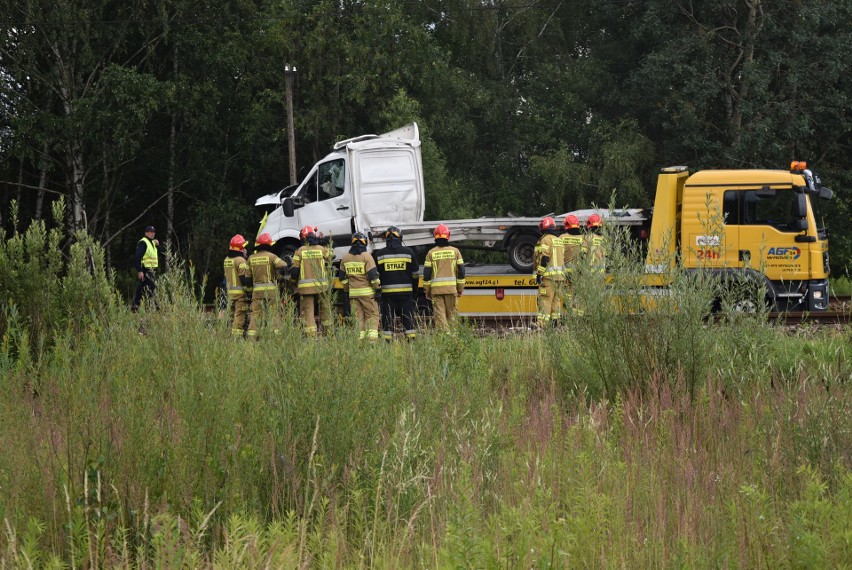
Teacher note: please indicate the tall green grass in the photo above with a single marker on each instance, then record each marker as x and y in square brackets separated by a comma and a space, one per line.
[660, 439]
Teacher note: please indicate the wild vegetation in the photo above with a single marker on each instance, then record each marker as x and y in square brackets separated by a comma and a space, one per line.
[651, 440]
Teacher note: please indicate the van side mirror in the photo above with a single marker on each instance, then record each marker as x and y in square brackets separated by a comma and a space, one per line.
[825, 193]
[287, 207]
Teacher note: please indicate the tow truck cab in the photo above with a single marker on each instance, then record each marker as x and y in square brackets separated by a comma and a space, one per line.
[745, 224]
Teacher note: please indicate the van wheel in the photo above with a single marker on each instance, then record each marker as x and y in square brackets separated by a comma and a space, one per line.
[521, 252]
[285, 251]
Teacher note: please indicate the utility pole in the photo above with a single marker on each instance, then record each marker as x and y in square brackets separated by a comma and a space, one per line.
[289, 77]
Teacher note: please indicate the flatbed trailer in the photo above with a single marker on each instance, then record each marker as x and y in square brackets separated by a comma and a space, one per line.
[515, 235]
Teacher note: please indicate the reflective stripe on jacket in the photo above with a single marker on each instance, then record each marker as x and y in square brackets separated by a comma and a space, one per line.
[398, 269]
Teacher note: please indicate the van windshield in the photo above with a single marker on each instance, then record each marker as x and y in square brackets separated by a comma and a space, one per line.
[327, 181]
[331, 178]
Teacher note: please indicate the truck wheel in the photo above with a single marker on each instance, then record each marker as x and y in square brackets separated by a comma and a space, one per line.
[747, 306]
[521, 252]
[749, 303]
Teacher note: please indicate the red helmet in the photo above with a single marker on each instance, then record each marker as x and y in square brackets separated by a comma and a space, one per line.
[593, 221]
[264, 239]
[571, 222]
[546, 223]
[307, 231]
[238, 243]
[442, 232]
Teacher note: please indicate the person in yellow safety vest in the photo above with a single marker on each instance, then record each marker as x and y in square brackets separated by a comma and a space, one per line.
[266, 269]
[594, 246]
[549, 272]
[237, 281]
[146, 260]
[572, 243]
[310, 271]
[443, 278]
[360, 279]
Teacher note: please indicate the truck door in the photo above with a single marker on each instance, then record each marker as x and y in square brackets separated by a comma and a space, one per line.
[769, 221]
[327, 201]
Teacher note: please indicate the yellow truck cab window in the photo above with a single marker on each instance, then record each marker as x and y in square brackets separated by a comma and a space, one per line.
[747, 208]
[778, 211]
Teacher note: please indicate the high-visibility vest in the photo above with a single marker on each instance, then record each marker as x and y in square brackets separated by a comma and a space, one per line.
[441, 271]
[361, 278]
[149, 258]
[311, 261]
[551, 247]
[595, 248]
[263, 265]
[573, 250]
[234, 267]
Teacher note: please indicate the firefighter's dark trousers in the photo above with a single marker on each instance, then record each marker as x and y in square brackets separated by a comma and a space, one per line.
[398, 305]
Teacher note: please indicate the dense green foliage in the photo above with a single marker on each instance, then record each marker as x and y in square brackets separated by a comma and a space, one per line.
[173, 113]
[154, 439]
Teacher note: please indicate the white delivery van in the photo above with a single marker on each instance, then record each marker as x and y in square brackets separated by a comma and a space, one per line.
[365, 182]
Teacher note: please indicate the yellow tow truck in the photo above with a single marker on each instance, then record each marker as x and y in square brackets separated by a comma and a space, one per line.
[758, 226]
[761, 226]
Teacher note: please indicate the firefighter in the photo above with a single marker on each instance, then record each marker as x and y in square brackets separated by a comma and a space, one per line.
[237, 280]
[572, 244]
[146, 260]
[594, 245]
[360, 280]
[399, 273]
[266, 269]
[443, 278]
[549, 272]
[311, 274]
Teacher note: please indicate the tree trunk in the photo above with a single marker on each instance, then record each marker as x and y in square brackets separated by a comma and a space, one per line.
[42, 183]
[170, 199]
[745, 60]
[78, 186]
